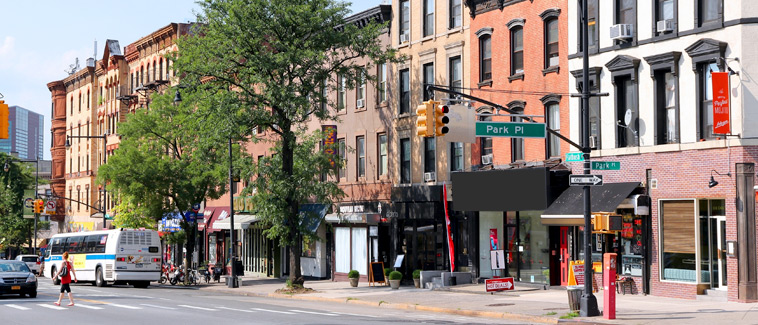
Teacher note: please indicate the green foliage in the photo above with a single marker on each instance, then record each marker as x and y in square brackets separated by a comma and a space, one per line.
[395, 275]
[353, 274]
[263, 64]
[176, 238]
[387, 271]
[416, 274]
[569, 315]
[15, 231]
[128, 214]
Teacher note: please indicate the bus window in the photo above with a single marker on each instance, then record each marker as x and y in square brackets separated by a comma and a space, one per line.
[92, 243]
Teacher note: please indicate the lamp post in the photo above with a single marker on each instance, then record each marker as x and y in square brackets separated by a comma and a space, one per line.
[105, 157]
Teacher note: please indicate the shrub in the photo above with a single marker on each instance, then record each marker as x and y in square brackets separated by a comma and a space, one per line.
[395, 275]
[387, 271]
[353, 274]
[416, 274]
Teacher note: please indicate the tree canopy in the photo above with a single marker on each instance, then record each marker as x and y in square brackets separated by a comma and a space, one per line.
[15, 231]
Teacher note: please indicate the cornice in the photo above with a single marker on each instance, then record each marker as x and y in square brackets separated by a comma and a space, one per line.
[668, 60]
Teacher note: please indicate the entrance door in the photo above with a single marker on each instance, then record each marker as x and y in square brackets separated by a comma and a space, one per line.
[717, 245]
[563, 254]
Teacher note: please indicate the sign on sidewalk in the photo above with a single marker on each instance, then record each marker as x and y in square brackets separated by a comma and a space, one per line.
[499, 284]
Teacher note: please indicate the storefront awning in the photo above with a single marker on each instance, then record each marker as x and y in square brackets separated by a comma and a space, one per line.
[218, 213]
[241, 221]
[312, 214]
[568, 208]
[370, 218]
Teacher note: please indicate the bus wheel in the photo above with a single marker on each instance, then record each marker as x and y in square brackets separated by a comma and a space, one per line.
[56, 281]
[99, 277]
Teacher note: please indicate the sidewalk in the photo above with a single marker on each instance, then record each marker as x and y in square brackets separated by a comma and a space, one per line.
[525, 304]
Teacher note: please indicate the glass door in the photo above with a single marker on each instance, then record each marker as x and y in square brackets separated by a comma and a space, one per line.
[718, 252]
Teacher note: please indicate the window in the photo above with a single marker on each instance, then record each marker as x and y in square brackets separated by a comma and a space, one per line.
[80, 103]
[405, 161]
[517, 50]
[664, 10]
[86, 208]
[551, 43]
[517, 144]
[324, 96]
[678, 240]
[382, 87]
[456, 156]
[88, 99]
[485, 143]
[405, 92]
[592, 26]
[428, 17]
[485, 58]
[341, 149]
[78, 199]
[359, 250]
[666, 111]
[706, 103]
[430, 154]
[360, 93]
[455, 13]
[454, 69]
[341, 94]
[382, 154]
[625, 12]
[627, 112]
[342, 249]
[428, 73]
[405, 21]
[360, 144]
[709, 12]
[553, 116]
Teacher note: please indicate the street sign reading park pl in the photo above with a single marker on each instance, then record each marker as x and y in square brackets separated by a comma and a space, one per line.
[510, 129]
[606, 165]
[585, 180]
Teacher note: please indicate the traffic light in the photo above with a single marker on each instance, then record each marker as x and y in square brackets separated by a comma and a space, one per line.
[424, 117]
[441, 120]
[39, 206]
[3, 120]
[606, 223]
[598, 223]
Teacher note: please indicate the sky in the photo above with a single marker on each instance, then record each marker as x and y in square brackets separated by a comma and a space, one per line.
[40, 39]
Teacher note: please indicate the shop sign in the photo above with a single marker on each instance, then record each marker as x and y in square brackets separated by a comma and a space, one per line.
[351, 209]
[243, 203]
[499, 284]
[578, 270]
[720, 85]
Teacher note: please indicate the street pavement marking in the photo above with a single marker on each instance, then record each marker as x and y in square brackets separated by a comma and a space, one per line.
[273, 311]
[17, 307]
[357, 315]
[234, 309]
[88, 306]
[312, 312]
[93, 301]
[125, 306]
[156, 306]
[51, 306]
[195, 307]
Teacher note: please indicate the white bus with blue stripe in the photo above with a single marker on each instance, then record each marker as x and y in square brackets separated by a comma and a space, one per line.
[117, 256]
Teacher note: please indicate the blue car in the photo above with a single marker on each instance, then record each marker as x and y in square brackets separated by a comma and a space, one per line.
[17, 278]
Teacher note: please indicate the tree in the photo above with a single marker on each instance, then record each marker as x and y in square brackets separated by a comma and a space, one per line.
[15, 231]
[268, 62]
[164, 165]
[128, 214]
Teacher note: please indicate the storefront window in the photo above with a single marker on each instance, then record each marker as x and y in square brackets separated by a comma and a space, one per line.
[678, 241]
[631, 243]
[342, 249]
[535, 260]
[212, 249]
[359, 258]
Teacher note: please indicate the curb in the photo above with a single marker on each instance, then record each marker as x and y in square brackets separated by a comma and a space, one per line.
[382, 304]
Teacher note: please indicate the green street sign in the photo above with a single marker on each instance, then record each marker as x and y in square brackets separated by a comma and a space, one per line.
[606, 165]
[510, 129]
[574, 156]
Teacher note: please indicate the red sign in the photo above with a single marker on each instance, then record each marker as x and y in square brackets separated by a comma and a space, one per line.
[450, 245]
[579, 273]
[720, 102]
[499, 284]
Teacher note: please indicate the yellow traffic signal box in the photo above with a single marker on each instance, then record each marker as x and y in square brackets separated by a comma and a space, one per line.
[424, 118]
[4, 115]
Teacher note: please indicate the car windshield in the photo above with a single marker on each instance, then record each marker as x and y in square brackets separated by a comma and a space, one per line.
[14, 267]
[29, 259]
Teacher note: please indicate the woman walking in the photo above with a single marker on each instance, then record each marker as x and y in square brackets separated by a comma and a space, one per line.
[65, 273]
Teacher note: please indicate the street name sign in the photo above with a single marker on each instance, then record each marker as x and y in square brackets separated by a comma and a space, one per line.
[510, 129]
[585, 180]
[606, 165]
[499, 284]
[574, 156]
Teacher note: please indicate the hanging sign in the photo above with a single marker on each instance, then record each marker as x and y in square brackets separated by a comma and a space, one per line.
[720, 102]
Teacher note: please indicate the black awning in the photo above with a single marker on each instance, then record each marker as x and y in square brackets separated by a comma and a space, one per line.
[568, 208]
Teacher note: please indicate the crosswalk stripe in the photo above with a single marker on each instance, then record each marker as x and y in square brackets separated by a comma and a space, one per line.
[273, 311]
[234, 309]
[349, 314]
[125, 306]
[51, 306]
[17, 307]
[156, 306]
[88, 306]
[196, 307]
[312, 312]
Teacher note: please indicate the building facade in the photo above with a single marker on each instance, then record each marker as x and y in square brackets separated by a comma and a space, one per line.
[679, 119]
[25, 136]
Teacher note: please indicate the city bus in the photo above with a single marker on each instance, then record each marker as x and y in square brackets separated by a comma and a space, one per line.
[119, 256]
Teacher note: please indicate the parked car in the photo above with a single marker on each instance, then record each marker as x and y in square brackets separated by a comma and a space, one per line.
[17, 278]
[32, 261]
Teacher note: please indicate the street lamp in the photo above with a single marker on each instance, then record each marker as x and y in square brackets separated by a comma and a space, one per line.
[105, 154]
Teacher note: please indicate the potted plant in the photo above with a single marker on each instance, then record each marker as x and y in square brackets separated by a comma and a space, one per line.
[387, 271]
[353, 275]
[395, 278]
[417, 278]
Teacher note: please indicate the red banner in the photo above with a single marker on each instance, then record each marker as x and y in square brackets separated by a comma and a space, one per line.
[449, 235]
[330, 138]
[499, 284]
[720, 102]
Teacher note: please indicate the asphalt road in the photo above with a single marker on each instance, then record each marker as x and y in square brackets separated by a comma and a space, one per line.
[188, 305]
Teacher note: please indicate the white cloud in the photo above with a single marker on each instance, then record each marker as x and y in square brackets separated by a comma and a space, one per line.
[7, 45]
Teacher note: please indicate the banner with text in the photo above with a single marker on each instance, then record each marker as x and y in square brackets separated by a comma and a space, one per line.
[720, 102]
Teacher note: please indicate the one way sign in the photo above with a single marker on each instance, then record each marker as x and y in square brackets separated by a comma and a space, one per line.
[586, 180]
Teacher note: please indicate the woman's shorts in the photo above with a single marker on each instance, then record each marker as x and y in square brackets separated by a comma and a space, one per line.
[65, 288]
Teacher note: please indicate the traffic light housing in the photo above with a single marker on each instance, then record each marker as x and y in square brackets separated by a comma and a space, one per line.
[424, 118]
[39, 206]
[4, 114]
[441, 120]
[606, 223]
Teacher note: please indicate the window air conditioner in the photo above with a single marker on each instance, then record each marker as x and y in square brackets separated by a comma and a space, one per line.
[622, 32]
[405, 37]
[593, 142]
[487, 159]
[359, 103]
[430, 177]
[663, 26]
